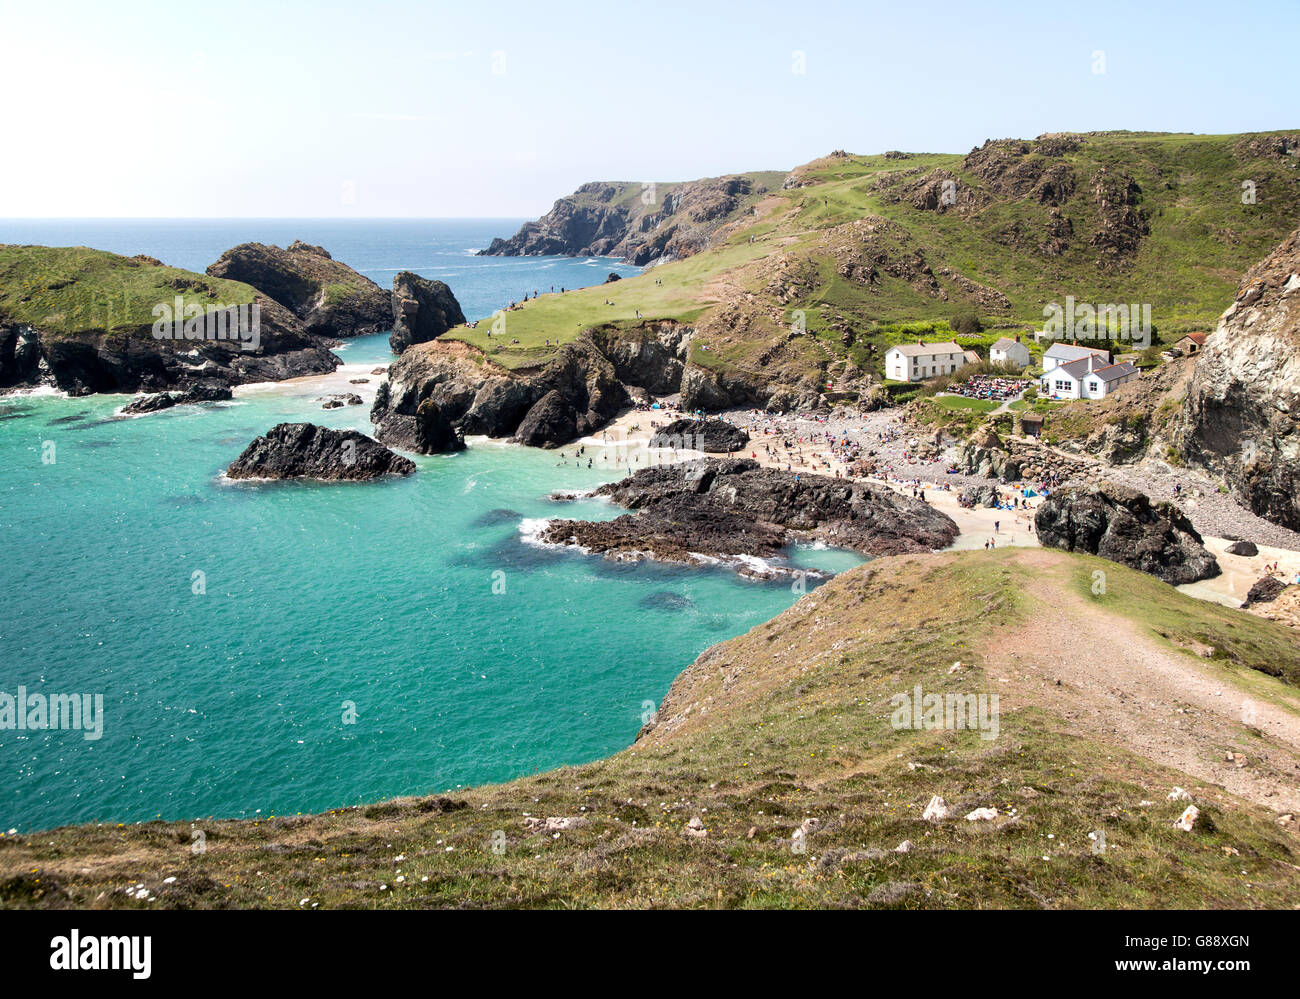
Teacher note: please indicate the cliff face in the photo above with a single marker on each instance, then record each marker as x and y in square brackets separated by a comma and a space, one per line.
[641, 223]
[329, 297]
[1241, 418]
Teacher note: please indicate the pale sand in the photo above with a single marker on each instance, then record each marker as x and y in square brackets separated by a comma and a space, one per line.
[629, 448]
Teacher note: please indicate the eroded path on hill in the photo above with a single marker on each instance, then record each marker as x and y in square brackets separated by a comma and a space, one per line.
[1117, 680]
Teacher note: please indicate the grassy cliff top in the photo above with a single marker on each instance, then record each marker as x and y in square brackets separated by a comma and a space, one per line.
[871, 244]
[1106, 703]
[74, 289]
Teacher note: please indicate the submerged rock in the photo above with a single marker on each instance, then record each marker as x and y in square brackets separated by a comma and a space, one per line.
[735, 512]
[166, 400]
[1123, 525]
[304, 450]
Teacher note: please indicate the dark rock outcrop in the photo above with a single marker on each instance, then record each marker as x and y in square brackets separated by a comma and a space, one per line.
[423, 310]
[306, 451]
[329, 297]
[1241, 417]
[206, 392]
[1123, 525]
[734, 510]
[1246, 548]
[1265, 590]
[713, 436]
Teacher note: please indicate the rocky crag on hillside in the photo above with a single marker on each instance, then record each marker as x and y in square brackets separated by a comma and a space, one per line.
[327, 296]
[734, 511]
[640, 223]
[306, 451]
[1241, 418]
[1121, 524]
[423, 310]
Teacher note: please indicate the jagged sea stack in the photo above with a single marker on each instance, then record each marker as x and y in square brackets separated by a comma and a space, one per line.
[423, 310]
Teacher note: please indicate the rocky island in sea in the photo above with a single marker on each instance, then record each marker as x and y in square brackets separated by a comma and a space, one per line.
[736, 512]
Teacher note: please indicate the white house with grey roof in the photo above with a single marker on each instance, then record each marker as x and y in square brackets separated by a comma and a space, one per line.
[1090, 377]
[1060, 353]
[915, 362]
[1008, 351]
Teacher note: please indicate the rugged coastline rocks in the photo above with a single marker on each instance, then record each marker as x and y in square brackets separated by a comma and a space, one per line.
[226, 333]
[1123, 525]
[422, 310]
[327, 296]
[712, 436]
[306, 451]
[578, 392]
[736, 512]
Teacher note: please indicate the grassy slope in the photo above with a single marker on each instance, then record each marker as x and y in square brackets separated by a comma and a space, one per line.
[1202, 239]
[63, 290]
[786, 722]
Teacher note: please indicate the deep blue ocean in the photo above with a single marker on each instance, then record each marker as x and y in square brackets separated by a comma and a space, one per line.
[288, 647]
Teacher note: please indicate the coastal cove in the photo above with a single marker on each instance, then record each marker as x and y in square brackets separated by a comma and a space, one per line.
[234, 701]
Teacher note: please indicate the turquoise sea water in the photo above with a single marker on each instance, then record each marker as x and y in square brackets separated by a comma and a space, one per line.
[232, 701]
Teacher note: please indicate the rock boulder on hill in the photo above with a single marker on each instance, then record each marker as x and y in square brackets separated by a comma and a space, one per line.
[1123, 525]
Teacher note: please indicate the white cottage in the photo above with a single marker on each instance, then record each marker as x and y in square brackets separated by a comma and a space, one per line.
[915, 362]
[1090, 377]
[1008, 351]
[1062, 353]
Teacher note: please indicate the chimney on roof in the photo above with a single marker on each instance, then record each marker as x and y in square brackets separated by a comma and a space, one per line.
[1017, 338]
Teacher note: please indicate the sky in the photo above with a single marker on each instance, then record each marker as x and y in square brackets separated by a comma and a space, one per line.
[494, 108]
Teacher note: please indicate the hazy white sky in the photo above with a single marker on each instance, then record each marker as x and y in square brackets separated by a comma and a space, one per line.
[495, 108]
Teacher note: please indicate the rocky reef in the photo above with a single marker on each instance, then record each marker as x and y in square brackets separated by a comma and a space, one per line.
[1241, 418]
[306, 451]
[736, 512]
[205, 392]
[1123, 525]
[327, 296]
[423, 310]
